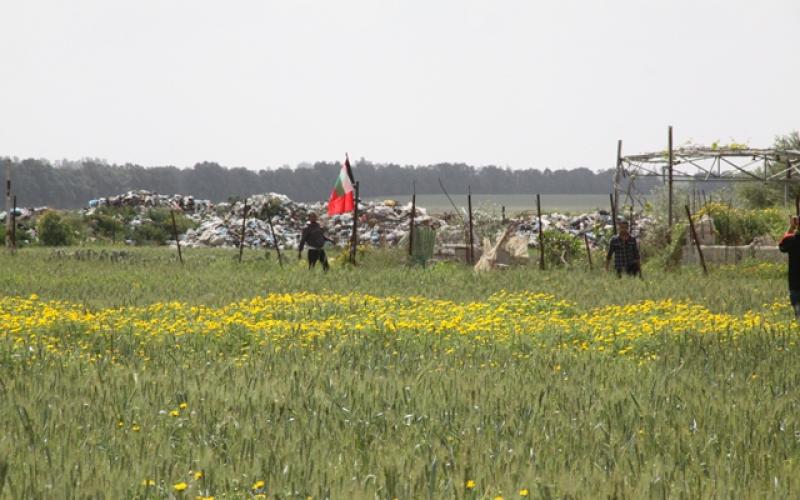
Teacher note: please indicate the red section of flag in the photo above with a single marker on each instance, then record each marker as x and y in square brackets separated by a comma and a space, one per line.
[342, 198]
[340, 204]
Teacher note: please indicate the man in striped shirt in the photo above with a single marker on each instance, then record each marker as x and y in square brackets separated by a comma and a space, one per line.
[625, 251]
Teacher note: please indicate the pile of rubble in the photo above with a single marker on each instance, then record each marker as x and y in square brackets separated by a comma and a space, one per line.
[143, 199]
[381, 223]
[25, 221]
[594, 225]
[149, 199]
[24, 214]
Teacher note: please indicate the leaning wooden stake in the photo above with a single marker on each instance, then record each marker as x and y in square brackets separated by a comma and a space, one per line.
[274, 240]
[588, 250]
[411, 224]
[696, 241]
[541, 233]
[175, 234]
[471, 252]
[244, 224]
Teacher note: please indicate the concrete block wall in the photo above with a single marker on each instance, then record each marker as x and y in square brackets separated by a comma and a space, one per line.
[721, 254]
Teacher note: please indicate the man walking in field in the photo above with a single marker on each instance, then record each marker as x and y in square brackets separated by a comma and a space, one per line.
[314, 237]
[625, 251]
[790, 244]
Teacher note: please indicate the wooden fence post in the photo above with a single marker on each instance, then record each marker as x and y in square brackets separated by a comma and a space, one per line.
[471, 251]
[670, 163]
[613, 212]
[7, 222]
[617, 176]
[413, 214]
[541, 232]
[354, 236]
[244, 226]
[14, 225]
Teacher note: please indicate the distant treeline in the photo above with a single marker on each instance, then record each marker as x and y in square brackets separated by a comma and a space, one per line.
[71, 184]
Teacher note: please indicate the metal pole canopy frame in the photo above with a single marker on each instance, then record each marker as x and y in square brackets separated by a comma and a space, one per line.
[733, 163]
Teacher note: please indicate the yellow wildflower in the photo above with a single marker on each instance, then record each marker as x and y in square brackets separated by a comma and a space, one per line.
[180, 486]
[470, 484]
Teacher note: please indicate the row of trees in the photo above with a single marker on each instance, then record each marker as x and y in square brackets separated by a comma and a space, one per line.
[70, 184]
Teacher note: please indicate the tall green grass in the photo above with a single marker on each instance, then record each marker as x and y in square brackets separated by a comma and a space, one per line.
[390, 416]
[214, 277]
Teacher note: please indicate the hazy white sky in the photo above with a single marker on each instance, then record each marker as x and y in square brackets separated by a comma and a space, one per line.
[517, 83]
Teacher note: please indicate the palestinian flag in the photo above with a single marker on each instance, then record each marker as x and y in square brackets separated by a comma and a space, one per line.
[341, 199]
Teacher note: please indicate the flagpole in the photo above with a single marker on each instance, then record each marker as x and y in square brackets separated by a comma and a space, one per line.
[354, 242]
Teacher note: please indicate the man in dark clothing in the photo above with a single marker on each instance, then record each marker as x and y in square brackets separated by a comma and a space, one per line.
[625, 251]
[315, 238]
[790, 244]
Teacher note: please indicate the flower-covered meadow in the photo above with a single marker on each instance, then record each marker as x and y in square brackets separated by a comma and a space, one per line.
[217, 380]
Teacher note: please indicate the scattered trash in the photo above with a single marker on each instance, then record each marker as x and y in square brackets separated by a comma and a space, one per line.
[381, 223]
[508, 250]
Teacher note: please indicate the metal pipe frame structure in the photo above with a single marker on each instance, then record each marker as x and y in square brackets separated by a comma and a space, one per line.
[710, 164]
[728, 164]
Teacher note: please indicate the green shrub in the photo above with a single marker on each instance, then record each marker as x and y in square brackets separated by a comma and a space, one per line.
[106, 222]
[105, 226]
[52, 229]
[654, 241]
[162, 218]
[738, 226]
[157, 228]
[561, 249]
[78, 231]
[148, 233]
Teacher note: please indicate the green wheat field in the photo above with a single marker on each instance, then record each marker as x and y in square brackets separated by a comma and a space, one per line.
[138, 377]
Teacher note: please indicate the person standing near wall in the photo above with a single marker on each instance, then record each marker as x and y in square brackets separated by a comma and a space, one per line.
[790, 244]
